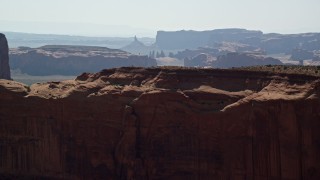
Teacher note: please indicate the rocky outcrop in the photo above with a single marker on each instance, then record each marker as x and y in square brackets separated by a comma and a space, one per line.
[201, 60]
[219, 49]
[4, 58]
[188, 53]
[160, 123]
[284, 43]
[231, 60]
[137, 47]
[243, 60]
[72, 60]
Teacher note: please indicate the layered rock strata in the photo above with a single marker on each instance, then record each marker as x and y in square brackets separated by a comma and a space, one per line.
[160, 123]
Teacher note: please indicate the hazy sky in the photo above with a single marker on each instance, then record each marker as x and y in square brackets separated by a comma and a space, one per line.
[148, 16]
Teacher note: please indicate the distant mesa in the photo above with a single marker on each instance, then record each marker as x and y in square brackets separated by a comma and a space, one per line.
[4, 58]
[230, 60]
[37, 40]
[190, 53]
[218, 49]
[191, 46]
[194, 39]
[72, 60]
[201, 60]
[244, 59]
[270, 43]
[170, 48]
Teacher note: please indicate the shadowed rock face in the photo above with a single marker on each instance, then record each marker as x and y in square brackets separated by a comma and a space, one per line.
[4, 58]
[135, 123]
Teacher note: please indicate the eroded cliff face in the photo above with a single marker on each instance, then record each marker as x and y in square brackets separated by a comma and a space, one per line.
[4, 58]
[134, 123]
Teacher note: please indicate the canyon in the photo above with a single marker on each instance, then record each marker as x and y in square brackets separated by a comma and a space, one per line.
[162, 123]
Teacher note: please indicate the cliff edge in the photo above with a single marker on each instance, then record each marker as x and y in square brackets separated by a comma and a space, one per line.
[162, 123]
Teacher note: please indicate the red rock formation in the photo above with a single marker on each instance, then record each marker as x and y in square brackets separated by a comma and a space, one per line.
[133, 123]
[4, 58]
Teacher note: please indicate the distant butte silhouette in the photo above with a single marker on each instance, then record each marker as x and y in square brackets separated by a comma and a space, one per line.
[4, 58]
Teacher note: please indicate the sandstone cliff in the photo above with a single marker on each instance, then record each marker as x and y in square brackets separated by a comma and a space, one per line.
[72, 60]
[134, 123]
[4, 58]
